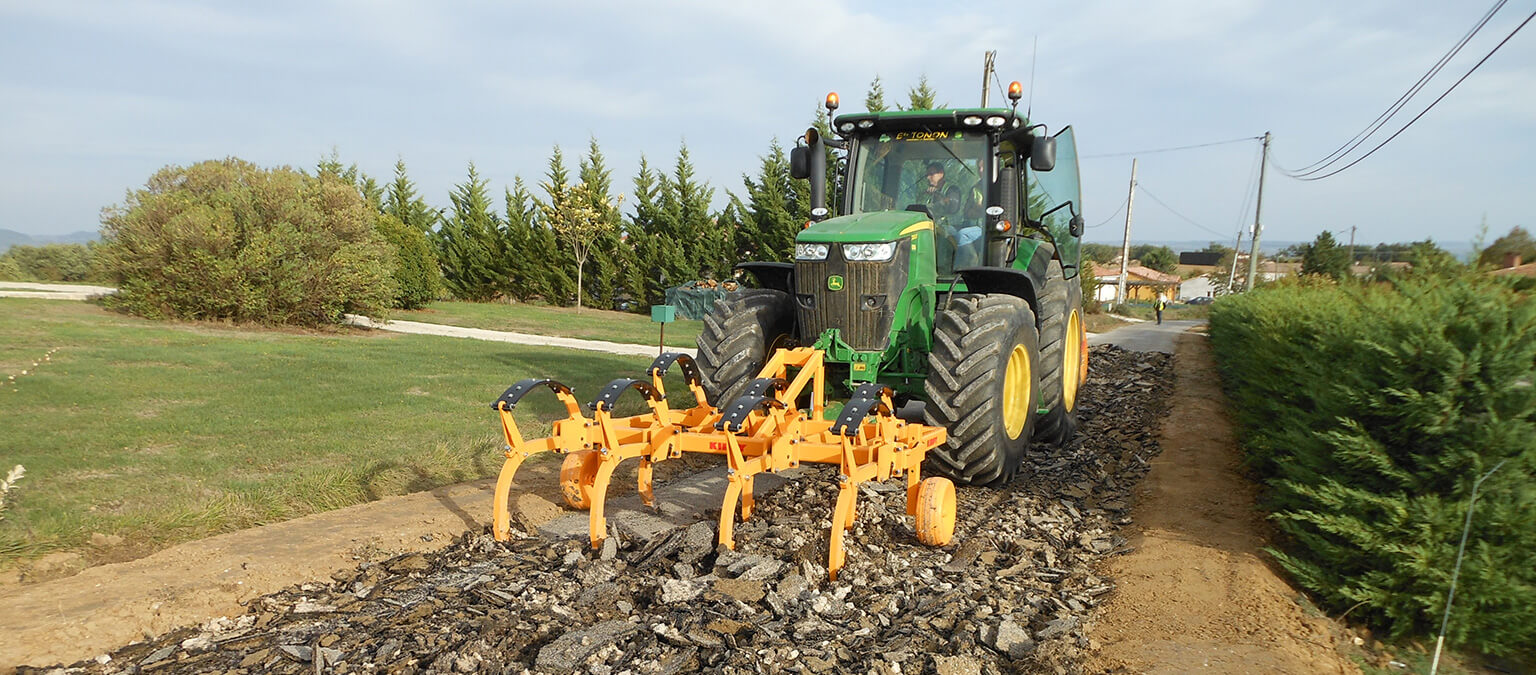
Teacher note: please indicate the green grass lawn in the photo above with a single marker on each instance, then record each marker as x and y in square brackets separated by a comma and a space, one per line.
[164, 432]
[594, 324]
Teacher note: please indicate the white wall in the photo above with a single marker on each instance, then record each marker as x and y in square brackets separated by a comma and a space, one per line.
[1197, 287]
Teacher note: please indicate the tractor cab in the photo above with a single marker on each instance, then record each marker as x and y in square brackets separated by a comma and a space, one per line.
[945, 174]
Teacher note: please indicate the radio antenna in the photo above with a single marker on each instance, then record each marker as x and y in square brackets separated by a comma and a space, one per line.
[1033, 52]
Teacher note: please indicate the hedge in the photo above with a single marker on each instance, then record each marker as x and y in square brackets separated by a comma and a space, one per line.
[1369, 411]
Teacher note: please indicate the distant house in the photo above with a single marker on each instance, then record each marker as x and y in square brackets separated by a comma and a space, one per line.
[1202, 286]
[1270, 270]
[1142, 284]
[1512, 267]
[1200, 258]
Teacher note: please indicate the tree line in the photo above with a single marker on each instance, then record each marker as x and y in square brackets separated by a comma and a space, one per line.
[572, 235]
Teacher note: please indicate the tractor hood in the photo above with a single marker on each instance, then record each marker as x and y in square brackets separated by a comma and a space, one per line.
[874, 226]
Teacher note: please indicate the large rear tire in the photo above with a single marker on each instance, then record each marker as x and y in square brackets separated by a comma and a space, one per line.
[739, 334]
[1062, 344]
[983, 379]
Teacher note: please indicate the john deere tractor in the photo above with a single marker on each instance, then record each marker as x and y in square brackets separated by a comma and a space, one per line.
[945, 267]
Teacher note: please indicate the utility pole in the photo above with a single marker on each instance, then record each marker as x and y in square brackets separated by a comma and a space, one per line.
[986, 76]
[1351, 248]
[1125, 247]
[1258, 209]
[1232, 276]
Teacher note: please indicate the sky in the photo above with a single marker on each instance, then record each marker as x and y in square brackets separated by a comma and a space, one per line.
[96, 96]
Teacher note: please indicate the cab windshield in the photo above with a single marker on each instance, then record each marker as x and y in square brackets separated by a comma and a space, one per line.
[944, 172]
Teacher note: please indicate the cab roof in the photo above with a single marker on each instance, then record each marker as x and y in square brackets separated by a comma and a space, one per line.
[921, 119]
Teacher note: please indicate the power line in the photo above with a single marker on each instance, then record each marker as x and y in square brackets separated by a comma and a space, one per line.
[1392, 110]
[1112, 216]
[1258, 165]
[1181, 147]
[1175, 212]
[1426, 110]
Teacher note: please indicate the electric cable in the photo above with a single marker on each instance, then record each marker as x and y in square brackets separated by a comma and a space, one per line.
[1392, 110]
[1172, 149]
[1426, 110]
[1175, 212]
[1118, 210]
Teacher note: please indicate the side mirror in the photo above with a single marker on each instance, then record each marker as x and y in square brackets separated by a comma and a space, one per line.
[800, 162]
[1076, 226]
[1042, 153]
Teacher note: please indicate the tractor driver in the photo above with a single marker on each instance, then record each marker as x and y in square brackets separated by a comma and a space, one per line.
[945, 201]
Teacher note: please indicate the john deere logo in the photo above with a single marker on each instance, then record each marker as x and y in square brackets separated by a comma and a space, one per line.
[835, 282]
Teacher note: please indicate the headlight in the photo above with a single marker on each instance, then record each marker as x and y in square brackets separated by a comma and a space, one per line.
[811, 251]
[971, 120]
[880, 252]
[996, 121]
[846, 126]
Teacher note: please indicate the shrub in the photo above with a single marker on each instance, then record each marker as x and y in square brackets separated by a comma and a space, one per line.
[10, 270]
[417, 278]
[229, 240]
[1370, 410]
[49, 262]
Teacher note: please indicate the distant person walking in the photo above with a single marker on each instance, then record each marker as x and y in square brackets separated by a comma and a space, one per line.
[1159, 305]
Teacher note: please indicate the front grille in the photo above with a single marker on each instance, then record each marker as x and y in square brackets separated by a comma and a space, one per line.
[865, 307]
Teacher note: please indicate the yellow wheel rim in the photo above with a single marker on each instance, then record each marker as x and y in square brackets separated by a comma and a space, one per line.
[1017, 396]
[1071, 361]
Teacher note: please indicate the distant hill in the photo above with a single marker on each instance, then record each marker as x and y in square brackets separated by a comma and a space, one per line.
[9, 238]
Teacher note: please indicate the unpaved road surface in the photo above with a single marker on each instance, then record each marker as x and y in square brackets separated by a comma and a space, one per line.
[103, 607]
[1012, 593]
[1197, 594]
[1145, 336]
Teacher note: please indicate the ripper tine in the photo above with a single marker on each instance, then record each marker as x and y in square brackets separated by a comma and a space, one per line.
[762, 430]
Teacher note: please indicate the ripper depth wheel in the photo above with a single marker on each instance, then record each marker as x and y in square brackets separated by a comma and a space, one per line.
[577, 474]
[935, 511]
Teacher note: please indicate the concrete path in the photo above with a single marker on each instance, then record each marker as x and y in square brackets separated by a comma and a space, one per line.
[26, 289]
[1146, 336]
[419, 328]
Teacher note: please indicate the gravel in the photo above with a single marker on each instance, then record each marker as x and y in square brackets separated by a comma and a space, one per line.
[1011, 594]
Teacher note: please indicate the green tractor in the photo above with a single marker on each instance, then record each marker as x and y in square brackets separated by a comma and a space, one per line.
[946, 269]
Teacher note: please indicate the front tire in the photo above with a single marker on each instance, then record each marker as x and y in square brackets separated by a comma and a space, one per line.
[1063, 352]
[739, 335]
[982, 387]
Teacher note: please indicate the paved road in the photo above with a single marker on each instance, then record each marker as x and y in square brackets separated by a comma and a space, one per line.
[24, 289]
[1144, 337]
[420, 328]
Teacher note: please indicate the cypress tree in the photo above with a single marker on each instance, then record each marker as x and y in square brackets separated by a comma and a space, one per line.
[686, 201]
[658, 250]
[469, 243]
[874, 101]
[768, 227]
[402, 202]
[922, 96]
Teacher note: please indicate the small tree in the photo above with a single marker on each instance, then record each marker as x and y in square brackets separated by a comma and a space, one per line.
[579, 221]
[417, 278]
[874, 101]
[922, 96]
[1325, 257]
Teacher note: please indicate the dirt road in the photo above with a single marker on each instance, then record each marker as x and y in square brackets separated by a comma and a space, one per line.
[1197, 593]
